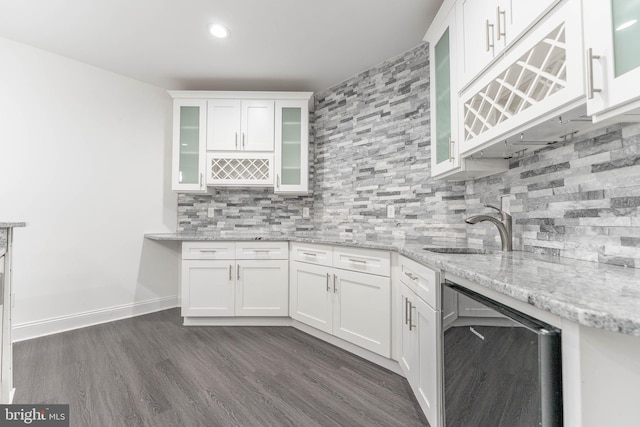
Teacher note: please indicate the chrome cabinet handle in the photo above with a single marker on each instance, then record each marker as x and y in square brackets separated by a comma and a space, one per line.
[452, 144]
[208, 250]
[335, 289]
[236, 140]
[230, 272]
[501, 30]
[406, 311]
[200, 180]
[411, 308]
[243, 140]
[278, 180]
[489, 45]
[359, 261]
[590, 89]
[328, 286]
[310, 254]
[238, 272]
[411, 276]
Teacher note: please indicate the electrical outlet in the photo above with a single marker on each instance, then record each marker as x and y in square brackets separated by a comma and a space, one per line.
[391, 211]
[211, 213]
[305, 212]
[505, 203]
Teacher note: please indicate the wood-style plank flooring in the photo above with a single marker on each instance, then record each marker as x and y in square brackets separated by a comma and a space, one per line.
[151, 371]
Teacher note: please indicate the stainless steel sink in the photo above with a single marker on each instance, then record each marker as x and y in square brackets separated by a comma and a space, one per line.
[463, 251]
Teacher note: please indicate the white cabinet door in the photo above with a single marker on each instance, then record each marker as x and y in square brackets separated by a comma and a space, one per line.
[292, 147]
[257, 125]
[612, 31]
[425, 320]
[208, 288]
[477, 26]
[409, 336]
[362, 310]
[444, 140]
[246, 125]
[517, 15]
[223, 124]
[312, 295]
[262, 288]
[189, 133]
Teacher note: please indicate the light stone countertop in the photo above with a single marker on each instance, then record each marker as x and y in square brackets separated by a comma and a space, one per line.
[591, 294]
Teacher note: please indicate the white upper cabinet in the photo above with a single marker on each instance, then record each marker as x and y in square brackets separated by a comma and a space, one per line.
[539, 78]
[223, 119]
[240, 125]
[229, 139]
[612, 51]
[445, 144]
[292, 147]
[257, 125]
[487, 27]
[189, 133]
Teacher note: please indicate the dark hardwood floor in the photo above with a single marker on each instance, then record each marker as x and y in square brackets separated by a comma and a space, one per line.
[151, 371]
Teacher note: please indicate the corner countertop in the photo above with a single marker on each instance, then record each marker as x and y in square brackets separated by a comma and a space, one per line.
[588, 293]
[12, 224]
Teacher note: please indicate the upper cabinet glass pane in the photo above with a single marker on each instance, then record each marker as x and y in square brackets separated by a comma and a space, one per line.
[443, 98]
[189, 144]
[626, 35]
[291, 160]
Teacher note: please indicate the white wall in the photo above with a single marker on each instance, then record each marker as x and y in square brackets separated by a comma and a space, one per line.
[84, 160]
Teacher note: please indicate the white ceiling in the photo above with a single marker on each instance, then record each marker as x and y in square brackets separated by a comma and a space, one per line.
[299, 45]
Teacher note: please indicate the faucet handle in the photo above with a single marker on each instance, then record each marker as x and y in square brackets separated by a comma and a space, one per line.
[504, 214]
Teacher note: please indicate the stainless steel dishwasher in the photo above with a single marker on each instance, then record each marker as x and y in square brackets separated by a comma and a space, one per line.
[501, 367]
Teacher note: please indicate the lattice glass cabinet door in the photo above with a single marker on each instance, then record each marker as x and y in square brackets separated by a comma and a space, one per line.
[189, 139]
[292, 147]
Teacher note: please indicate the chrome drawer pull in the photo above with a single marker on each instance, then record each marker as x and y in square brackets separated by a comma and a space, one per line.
[360, 261]
[411, 276]
[411, 325]
[328, 286]
[208, 250]
[406, 311]
[230, 272]
[309, 254]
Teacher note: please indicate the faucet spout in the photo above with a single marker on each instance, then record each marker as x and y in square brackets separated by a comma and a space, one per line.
[504, 226]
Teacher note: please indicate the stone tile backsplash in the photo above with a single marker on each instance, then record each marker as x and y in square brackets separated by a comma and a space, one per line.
[371, 149]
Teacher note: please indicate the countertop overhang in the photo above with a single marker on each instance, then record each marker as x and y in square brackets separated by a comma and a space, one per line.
[591, 294]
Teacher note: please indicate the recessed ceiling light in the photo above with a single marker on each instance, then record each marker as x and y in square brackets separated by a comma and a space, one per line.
[219, 31]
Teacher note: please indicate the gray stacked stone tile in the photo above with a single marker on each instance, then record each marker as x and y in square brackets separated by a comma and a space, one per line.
[371, 149]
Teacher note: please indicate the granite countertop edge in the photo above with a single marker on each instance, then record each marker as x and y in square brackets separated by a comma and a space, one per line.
[591, 294]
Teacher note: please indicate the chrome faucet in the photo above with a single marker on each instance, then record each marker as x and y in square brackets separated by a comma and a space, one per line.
[504, 226]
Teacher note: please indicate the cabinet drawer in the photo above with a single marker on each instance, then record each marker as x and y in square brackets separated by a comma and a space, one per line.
[363, 260]
[262, 250]
[208, 250]
[421, 280]
[313, 254]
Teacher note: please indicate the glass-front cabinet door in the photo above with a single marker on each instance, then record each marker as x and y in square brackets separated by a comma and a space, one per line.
[444, 147]
[612, 41]
[292, 147]
[189, 145]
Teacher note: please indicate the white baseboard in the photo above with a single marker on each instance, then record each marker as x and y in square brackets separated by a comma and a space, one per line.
[29, 330]
[237, 321]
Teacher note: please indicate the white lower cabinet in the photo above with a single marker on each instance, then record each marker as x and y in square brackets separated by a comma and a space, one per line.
[419, 335]
[237, 284]
[348, 303]
[262, 288]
